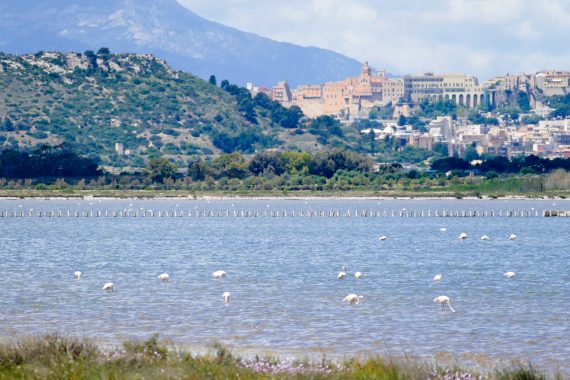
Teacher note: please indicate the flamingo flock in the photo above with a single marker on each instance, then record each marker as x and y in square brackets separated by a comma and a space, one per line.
[354, 299]
[351, 299]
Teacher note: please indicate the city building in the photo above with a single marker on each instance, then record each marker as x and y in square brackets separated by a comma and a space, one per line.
[441, 129]
[282, 93]
[553, 82]
[350, 98]
[463, 90]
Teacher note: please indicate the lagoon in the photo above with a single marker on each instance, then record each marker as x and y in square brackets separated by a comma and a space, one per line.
[286, 298]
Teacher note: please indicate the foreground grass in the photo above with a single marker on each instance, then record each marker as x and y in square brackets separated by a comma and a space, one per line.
[56, 357]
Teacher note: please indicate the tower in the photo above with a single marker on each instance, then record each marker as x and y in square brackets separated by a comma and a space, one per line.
[366, 70]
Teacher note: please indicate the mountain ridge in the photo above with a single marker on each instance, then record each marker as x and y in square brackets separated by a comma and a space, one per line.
[170, 31]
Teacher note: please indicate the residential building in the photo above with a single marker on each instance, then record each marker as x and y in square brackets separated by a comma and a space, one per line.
[282, 93]
[552, 82]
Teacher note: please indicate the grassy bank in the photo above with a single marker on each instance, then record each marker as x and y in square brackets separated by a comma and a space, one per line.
[55, 357]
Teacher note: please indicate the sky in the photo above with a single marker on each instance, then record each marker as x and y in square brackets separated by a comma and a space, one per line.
[485, 38]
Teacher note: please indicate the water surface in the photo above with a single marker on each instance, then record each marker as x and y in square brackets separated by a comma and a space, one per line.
[282, 277]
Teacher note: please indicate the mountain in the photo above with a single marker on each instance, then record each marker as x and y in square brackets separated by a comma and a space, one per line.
[168, 30]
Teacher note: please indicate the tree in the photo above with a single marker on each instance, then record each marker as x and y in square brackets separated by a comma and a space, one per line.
[441, 149]
[267, 162]
[263, 101]
[402, 120]
[324, 125]
[439, 108]
[198, 170]
[298, 162]
[225, 84]
[371, 137]
[92, 58]
[523, 101]
[292, 117]
[561, 105]
[450, 163]
[213, 80]
[327, 162]
[373, 114]
[471, 153]
[159, 168]
[231, 165]
[105, 52]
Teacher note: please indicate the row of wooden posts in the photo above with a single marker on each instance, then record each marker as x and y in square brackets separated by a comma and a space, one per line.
[279, 213]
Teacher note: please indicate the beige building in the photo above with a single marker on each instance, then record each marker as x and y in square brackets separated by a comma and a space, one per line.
[282, 93]
[463, 90]
[350, 98]
[553, 82]
[422, 141]
[441, 129]
[392, 90]
[514, 83]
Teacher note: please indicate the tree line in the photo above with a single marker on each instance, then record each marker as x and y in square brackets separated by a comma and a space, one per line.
[271, 163]
[46, 161]
[524, 165]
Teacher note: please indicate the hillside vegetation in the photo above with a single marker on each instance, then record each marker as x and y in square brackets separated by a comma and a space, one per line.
[92, 101]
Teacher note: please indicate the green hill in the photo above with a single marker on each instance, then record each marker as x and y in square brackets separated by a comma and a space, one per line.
[94, 101]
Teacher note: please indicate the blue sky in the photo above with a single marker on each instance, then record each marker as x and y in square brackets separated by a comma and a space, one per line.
[481, 37]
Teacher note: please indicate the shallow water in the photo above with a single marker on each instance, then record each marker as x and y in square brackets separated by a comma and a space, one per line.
[282, 277]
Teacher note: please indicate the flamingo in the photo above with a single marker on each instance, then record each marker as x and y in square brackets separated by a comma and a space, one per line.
[77, 274]
[444, 300]
[513, 237]
[226, 297]
[108, 287]
[357, 275]
[510, 274]
[382, 238]
[463, 236]
[437, 277]
[342, 274]
[219, 274]
[352, 299]
[485, 237]
[164, 277]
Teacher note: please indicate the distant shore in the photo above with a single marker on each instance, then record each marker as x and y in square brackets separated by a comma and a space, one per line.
[272, 195]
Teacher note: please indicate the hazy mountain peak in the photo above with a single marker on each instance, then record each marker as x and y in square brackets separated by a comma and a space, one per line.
[169, 30]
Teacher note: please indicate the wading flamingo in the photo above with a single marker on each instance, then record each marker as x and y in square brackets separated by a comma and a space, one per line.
[443, 300]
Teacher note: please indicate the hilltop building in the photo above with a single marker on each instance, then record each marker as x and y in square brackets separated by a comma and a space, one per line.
[553, 82]
[463, 90]
[350, 98]
[282, 93]
[354, 97]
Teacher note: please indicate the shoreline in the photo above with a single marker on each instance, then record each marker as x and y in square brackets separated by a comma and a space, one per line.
[215, 196]
[274, 198]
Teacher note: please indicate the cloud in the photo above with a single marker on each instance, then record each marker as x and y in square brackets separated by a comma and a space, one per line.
[480, 37]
